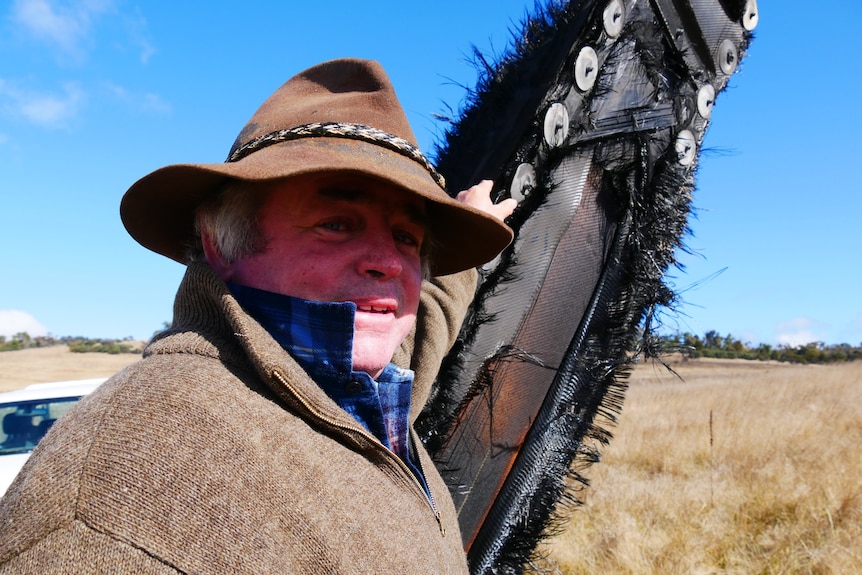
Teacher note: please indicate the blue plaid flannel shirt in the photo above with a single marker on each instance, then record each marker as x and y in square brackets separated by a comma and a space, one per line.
[319, 336]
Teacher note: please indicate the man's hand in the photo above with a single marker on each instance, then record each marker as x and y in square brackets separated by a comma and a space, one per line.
[479, 197]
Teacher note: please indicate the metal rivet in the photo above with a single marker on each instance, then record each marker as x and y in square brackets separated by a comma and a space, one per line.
[586, 69]
[728, 59]
[686, 148]
[614, 18]
[489, 267]
[751, 16]
[556, 125]
[523, 182]
[705, 100]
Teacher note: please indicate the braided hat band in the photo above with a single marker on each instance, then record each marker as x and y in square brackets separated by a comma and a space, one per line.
[341, 130]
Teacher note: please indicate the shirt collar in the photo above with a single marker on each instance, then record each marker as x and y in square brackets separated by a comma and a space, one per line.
[319, 335]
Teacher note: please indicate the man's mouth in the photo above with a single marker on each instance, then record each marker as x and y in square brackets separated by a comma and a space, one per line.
[374, 309]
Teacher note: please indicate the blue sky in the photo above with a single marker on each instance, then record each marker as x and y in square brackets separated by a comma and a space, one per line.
[97, 93]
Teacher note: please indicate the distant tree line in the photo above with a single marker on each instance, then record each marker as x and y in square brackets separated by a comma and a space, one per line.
[713, 344]
[692, 346]
[76, 344]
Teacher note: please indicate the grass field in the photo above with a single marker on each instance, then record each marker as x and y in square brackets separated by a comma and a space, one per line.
[741, 467]
[56, 363]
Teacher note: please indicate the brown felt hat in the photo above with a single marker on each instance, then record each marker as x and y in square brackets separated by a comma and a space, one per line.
[339, 116]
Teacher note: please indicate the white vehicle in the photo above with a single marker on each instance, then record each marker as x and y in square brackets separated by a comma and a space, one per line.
[27, 414]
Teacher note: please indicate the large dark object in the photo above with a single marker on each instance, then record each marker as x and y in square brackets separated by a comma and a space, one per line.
[594, 122]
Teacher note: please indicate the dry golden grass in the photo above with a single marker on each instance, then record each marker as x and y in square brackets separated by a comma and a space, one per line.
[775, 486]
[56, 363]
[743, 467]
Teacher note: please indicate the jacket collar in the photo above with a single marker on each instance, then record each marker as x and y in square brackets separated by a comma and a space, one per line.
[209, 321]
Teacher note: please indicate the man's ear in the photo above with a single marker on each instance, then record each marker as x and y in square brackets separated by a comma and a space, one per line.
[215, 259]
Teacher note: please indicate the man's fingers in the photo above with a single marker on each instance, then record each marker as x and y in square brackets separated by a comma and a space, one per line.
[479, 197]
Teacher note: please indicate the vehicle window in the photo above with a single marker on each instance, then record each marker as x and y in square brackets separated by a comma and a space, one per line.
[25, 423]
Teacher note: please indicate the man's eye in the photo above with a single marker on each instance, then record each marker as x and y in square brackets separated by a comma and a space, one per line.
[336, 226]
[407, 239]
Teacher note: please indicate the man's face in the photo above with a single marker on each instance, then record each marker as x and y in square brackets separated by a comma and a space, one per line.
[344, 238]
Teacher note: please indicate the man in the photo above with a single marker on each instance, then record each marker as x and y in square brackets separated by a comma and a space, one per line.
[267, 431]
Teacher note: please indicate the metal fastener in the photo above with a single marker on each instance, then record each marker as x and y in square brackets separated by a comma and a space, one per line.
[556, 125]
[523, 182]
[751, 16]
[586, 69]
[705, 100]
[728, 58]
[614, 18]
[686, 148]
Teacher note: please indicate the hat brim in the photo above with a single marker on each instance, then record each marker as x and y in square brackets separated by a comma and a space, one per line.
[158, 210]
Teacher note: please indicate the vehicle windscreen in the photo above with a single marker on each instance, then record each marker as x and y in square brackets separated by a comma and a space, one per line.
[24, 423]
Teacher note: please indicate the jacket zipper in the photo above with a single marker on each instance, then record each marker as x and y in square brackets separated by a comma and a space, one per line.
[429, 499]
[424, 475]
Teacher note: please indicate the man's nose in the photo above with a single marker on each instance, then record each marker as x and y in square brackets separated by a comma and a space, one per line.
[380, 257]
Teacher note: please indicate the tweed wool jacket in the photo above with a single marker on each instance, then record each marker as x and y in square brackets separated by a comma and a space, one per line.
[217, 454]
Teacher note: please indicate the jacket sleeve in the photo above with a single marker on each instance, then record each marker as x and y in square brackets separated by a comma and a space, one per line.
[76, 549]
[442, 307]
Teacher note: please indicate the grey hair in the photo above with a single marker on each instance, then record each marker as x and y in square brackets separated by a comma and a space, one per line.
[231, 218]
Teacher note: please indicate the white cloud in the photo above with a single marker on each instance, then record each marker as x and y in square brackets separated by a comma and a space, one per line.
[44, 109]
[41, 20]
[155, 103]
[13, 321]
[72, 29]
[798, 331]
[147, 50]
[53, 110]
[137, 34]
[70, 25]
[66, 25]
[147, 101]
